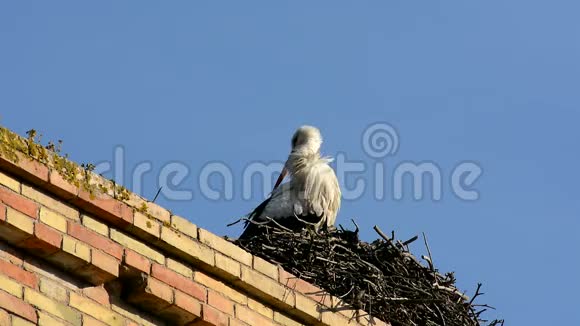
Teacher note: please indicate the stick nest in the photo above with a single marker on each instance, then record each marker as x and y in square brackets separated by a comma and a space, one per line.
[382, 277]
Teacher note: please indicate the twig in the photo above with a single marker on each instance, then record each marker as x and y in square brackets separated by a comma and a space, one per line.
[380, 233]
[410, 240]
[477, 293]
[381, 277]
[355, 225]
[157, 194]
[431, 263]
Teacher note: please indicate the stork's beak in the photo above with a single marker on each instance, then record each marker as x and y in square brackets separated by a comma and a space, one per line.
[281, 177]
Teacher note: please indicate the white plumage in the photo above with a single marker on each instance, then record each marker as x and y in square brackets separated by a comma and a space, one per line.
[312, 195]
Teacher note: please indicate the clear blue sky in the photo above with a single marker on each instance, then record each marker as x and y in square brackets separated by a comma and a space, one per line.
[495, 82]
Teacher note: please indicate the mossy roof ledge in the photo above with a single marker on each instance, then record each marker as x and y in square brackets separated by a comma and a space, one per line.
[14, 146]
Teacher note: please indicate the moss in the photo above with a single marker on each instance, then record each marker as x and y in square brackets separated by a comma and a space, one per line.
[102, 188]
[10, 144]
[121, 193]
[143, 208]
[77, 175]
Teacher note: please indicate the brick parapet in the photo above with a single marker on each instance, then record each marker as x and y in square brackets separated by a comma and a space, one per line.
[118, 259]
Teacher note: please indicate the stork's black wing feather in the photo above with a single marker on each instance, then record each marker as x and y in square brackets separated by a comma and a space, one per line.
[290, 222]
[250, 228]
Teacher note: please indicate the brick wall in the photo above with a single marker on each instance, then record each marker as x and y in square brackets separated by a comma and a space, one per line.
[71, 255]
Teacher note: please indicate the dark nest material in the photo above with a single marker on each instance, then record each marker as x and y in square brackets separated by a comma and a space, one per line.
[382, 277]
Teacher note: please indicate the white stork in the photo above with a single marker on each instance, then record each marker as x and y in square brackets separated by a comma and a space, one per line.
[312, 195]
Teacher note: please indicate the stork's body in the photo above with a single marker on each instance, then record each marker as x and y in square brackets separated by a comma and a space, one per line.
[312, 195]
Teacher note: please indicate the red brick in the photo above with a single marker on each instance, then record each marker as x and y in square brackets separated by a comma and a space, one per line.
[97, 293]
[2, 212]
[220, 302]
[102, 269]
[62, 187]
[214, 317]
[306, 288]
[154, 297]
[89, 321]
[37, 172]
[117, 209]
[313, 292]
[175, 315]
[4, 318]
[159, 290]
[251, 317]
[127, 213]
[19, 202]
[137, 261]
[17, 306]
[179, 282]
[187, 303]
[310, 290]
[235, 322]
[48, 234]
[105, 262]
[10, 254]
[287, 279]
[27, 278]
[94, 239]
[45, 242]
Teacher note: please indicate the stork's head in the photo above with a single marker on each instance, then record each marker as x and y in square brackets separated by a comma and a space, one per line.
[307, 140]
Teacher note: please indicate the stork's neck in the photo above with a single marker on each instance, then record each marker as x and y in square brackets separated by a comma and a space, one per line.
[300, 159]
